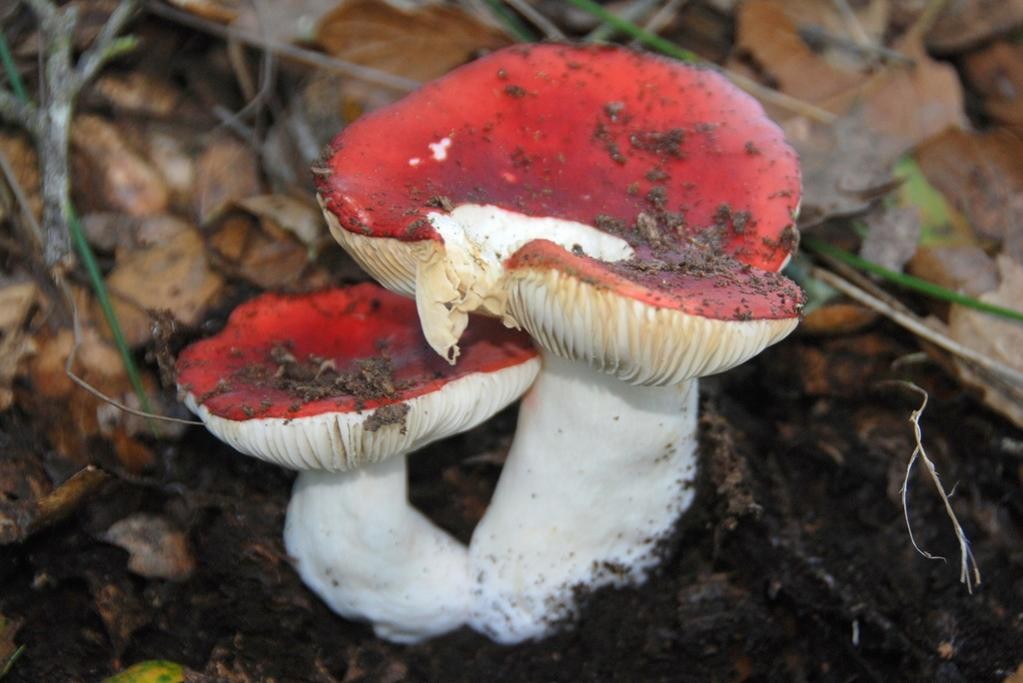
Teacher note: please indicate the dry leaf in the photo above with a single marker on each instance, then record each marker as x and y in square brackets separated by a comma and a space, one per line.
[883, 114]
[224, 11]
[16, 304]
[420, 44]
[768, 32]
[247, 251]
[167, 149]
[156, 549]
[906, 104]
[138, 92]
[69, 413]
[995, 337]
[110, 174]
[996, 73]
[119, 232]
[172, 276]
[300, 218]
[226, 172]
[982, 175]
[284, 21]
[837, 319]
[21, 156]
[962, 268]
[120, 608]
[843, 171]
[967, 22]
[892, 236]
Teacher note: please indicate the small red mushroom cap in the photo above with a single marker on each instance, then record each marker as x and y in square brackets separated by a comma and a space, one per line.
[341, 377]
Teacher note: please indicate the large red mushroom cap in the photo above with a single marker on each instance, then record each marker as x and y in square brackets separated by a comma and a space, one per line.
[638, 171]
[338, 378]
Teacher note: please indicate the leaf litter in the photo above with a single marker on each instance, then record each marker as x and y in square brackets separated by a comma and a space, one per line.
[190, 161]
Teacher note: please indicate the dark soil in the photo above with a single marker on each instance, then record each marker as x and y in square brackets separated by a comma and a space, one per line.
[794, 565]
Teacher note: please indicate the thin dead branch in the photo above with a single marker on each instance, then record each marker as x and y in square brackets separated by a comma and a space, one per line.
[910, 322]
[19, 522]
[49, 122]
[315, 59]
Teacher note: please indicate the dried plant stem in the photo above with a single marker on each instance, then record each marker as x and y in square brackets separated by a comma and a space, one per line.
[969, 572]
[316, 59]
[919, 328]
[56, 505]
[49, 122]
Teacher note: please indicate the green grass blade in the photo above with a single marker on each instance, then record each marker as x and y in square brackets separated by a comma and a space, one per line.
[652, 40]
[103, 297]
[511, 21]
[9, 664]
[909, 281]
[12, 70]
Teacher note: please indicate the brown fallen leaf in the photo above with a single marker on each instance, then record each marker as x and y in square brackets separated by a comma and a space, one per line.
[172, 276]
[302, 219]
[112, 175]
[768, 32]
[909, 103]
[982, 175]
[223, 11]
[138, 92]
[21, 156]
[119, 606]
[167, 147]
[963, 268]
[269, 259]
[284, 21]
[226, 172]
[884, 110]
[843, 171]
[421, 43]
[68, 414]
[156, 549]
[837, 319]
[996, 73]
[892, 236]
[119, 232]
[17, 302]
[995, 337]
[968, 22]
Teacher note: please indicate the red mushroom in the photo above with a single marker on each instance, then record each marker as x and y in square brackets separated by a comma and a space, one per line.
[629, 212]
[341, 385]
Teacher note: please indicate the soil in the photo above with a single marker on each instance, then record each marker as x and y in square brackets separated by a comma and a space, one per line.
[793, 565]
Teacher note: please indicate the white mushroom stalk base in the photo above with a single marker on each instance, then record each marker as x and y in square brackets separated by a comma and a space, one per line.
[360, 546]
[599, 472]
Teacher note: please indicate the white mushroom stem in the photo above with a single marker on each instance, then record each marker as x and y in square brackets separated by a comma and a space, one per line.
[358, 543]
[599, 472]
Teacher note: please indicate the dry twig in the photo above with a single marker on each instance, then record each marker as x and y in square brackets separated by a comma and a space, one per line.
[49, 122]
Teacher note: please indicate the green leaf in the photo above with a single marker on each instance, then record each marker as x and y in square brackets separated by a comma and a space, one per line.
[151, 671]
[941, 224]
